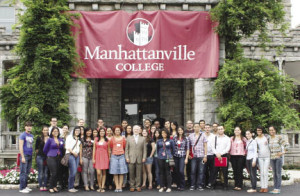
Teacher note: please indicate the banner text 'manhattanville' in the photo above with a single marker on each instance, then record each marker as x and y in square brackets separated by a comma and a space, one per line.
[179, 52]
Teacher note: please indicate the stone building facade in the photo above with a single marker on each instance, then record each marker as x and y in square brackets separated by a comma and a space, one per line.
[173, 99]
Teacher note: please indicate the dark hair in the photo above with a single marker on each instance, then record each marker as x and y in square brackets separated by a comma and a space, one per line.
[273, 127]
[28, 124]
[42, 134]
[260, 127]
[148, 138]
[240, 130]
[216, 123]
[207, 125]
[201, 121]
[183, 134]
[167, 132]
[126, 134]
[81, 127]
[124, 120]
[95, 129]
[159, 137]
[176, 125]
[152, 134]
[117, 126]
[147, 120]
[156, 120]
[85, 133]
[53, 128]
[77, 127]
[105, 139]
[196, 124]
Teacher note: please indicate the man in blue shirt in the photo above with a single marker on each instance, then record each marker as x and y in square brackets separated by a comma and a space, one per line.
[25, 147]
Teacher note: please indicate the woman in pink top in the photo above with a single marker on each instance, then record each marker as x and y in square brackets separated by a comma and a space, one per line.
[237, 157]
[101, 158]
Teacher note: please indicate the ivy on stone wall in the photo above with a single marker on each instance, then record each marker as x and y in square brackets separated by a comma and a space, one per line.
[242, 18]
[255, 93]
[37, 87]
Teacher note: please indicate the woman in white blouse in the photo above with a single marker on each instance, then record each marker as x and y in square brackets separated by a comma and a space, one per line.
[73, 147]
[251, 160]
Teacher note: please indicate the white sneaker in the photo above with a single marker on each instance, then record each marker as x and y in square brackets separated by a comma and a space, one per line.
[168, 190]
[28, 189]
[73, 190]
[24, 191]
[161, 190]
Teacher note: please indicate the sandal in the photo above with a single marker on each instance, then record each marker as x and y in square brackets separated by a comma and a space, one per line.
[92, 188]
[143, 187]
[102, 190]
[150, 187]
[98, 190]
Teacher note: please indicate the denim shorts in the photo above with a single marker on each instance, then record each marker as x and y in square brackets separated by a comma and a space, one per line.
[149, 160]
[118, 164]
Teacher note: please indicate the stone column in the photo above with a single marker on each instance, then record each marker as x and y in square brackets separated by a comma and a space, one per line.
[77, 101]
[205, 105]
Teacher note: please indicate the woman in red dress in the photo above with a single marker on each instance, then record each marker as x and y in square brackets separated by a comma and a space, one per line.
[101, 158]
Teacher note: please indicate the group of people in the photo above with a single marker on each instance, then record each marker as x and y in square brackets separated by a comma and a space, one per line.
[168, 156]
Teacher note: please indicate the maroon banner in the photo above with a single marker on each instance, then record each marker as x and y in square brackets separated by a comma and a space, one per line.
[147, 44]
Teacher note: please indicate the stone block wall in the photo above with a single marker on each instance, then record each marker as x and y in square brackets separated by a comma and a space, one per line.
[110, 96]
[188, 101]
[171, 100]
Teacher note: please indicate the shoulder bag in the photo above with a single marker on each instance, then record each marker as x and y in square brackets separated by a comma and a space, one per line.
[65, 160]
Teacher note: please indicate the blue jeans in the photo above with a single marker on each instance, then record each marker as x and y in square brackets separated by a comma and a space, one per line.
[156, 170]
[197, 172]
[43, 171]
[73, 165]
[179, 167]
[276, 165]
[24, 171]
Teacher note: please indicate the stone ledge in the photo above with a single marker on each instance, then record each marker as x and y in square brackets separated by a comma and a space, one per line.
[16, 186]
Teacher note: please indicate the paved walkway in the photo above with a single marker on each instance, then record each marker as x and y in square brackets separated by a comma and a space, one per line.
[292, 190]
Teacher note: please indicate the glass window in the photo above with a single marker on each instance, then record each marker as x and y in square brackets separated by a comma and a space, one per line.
[7, 17]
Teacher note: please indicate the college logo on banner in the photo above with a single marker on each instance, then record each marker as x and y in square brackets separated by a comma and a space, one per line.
[140, 32]
[147, 44]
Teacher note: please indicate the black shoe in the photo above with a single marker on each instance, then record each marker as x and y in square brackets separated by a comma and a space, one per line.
[200, 188]
[192, 188]
[209, 186]
[225, 188]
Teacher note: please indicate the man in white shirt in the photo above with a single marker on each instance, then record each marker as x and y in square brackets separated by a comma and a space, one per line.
[220, 148]
[53, 123]
[209, 166]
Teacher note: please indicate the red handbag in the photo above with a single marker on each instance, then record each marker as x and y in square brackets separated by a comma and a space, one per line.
[222, 163]
[79, 169]
[18, 159]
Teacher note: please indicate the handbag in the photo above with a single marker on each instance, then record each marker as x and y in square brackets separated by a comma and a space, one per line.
[171, 162]
[222, 163]
[65, 160]
[18, 159]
